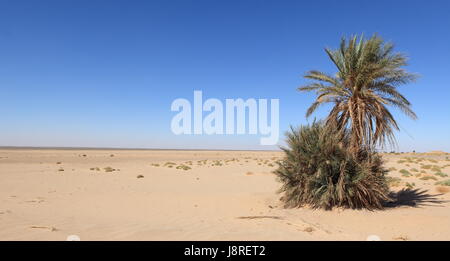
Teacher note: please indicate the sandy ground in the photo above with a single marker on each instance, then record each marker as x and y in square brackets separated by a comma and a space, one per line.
[200, 195]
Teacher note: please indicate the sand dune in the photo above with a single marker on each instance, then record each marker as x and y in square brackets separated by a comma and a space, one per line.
[199, 195]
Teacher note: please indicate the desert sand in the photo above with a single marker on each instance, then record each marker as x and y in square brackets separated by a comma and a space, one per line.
[49, 194]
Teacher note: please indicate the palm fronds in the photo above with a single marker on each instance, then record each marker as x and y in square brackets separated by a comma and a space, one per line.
[365, 85]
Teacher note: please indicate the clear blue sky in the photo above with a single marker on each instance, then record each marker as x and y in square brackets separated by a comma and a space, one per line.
[104, 73]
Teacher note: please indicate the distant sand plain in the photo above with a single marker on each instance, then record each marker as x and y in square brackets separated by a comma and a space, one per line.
[49, 194]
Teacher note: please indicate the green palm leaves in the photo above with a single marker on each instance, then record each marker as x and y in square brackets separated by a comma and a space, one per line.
[365, 85]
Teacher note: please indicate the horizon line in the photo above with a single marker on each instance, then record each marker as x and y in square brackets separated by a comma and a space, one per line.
[119, 148]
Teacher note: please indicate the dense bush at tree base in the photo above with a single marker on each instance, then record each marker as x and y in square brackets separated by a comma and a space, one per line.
[320, 171]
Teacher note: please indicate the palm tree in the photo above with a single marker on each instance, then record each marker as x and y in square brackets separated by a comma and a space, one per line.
[365, 84]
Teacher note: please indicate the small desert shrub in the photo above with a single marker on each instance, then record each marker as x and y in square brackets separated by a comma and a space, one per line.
[318, 170]
[204, 162]
[183, 167]
[217, 163]
[410, 185]
[169, 164]
[440, 174]
[443, 183]
[405, 173]
[60, 169]
[426, 166]
[109, 169]
[393, 181]
[140, 176]
[436, 169]
[428, 177]
[414, 170]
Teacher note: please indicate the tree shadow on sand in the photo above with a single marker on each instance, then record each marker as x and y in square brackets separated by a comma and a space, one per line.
[413, 198]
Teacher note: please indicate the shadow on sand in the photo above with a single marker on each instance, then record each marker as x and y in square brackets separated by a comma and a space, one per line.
[413, 198]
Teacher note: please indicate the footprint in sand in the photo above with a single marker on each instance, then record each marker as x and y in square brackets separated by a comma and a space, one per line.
[401, 238]
[309, 229]
[259, 217]
[51, 228]
[37, 200]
